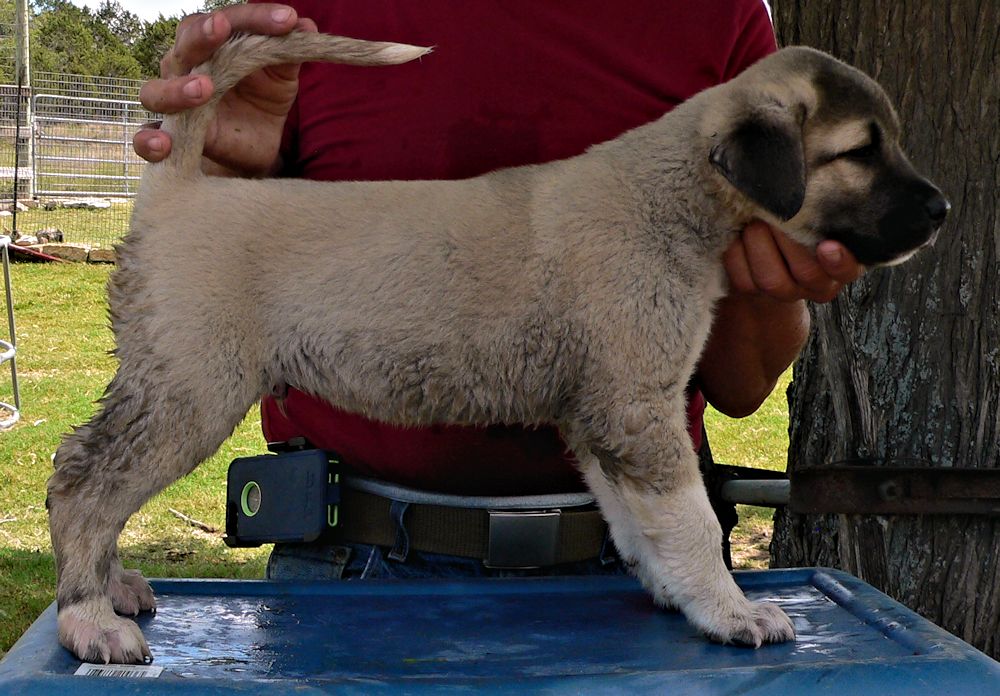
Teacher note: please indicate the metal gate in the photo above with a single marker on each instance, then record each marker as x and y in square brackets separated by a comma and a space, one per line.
[83, 146]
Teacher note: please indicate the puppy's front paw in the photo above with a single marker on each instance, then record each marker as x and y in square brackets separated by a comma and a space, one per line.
[757, 623]
[130, 593]
[91, 631]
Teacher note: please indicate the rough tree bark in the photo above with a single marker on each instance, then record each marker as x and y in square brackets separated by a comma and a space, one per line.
[906, 364]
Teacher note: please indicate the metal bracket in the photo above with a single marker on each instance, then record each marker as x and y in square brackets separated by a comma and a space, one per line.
[889, 490]
[747, 485]
[521, 539]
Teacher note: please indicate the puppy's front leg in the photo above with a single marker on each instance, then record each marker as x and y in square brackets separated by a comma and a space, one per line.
[650, 491]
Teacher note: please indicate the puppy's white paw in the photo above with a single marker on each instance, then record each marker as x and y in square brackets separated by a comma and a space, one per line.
[755, 624]
[130, 593]
[94, 633]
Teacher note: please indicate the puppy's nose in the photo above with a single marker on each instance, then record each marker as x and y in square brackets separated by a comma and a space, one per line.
[937, 209]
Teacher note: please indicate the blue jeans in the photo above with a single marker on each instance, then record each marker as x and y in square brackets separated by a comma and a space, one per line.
[319, 561]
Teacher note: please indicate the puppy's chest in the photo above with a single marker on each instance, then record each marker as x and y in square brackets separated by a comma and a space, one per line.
[678, 307]
[688, 286]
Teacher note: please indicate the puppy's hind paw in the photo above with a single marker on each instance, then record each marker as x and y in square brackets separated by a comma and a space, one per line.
[91, 631]
[130, 593]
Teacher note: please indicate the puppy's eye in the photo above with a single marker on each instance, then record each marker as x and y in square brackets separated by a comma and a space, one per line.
[861, 154]
[865, 152]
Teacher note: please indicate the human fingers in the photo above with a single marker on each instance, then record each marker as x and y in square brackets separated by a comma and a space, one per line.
[152, 144]
[177, 94]
[734, 261]
[765, 261]
[172, 94]
[200, 35]
[785, 270]
[811, 278]
[768, 270]
[838, 262]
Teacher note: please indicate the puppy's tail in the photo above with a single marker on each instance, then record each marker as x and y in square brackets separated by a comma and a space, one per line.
[244, 54]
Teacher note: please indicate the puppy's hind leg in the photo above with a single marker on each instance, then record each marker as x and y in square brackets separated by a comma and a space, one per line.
[148, 433]
[650, 491]
[130, 593]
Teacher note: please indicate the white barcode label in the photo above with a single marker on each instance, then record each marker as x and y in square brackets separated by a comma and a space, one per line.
[133, 671]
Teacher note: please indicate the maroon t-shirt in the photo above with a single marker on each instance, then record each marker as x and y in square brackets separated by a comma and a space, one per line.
[510, 82]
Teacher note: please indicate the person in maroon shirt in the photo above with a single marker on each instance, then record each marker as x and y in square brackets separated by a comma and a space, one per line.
[510, 83]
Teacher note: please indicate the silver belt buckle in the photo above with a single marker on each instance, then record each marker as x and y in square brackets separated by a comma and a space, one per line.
[521, 539]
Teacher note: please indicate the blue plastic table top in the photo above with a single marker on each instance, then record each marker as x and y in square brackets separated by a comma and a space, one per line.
[551, 635]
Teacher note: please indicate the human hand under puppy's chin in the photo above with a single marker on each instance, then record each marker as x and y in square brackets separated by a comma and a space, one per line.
[764, 261]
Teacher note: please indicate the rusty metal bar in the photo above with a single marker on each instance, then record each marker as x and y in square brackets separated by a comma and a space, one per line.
[890, 490]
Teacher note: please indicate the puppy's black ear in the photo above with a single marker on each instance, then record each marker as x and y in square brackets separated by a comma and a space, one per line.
[762, 157]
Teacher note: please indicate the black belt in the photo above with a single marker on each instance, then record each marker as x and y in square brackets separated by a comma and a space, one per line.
[502, 538]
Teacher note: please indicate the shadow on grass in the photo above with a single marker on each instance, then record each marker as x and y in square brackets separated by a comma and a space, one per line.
[28, 578]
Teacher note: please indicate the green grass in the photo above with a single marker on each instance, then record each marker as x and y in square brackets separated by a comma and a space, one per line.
[761, 441]
[63, 365]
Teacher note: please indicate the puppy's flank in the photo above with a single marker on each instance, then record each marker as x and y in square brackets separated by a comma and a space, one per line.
[578, 293]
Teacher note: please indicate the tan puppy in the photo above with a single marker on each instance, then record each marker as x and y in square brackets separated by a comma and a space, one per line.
[578, 293]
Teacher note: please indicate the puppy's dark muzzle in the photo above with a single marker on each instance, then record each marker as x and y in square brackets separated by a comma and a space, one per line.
[915, 211]
[922, 209]
[937, 208]
[914, 222]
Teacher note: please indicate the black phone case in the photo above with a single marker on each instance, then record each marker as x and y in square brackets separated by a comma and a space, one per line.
[285, 497]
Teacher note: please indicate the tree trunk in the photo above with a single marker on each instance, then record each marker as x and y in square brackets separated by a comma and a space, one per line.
[906, 363]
